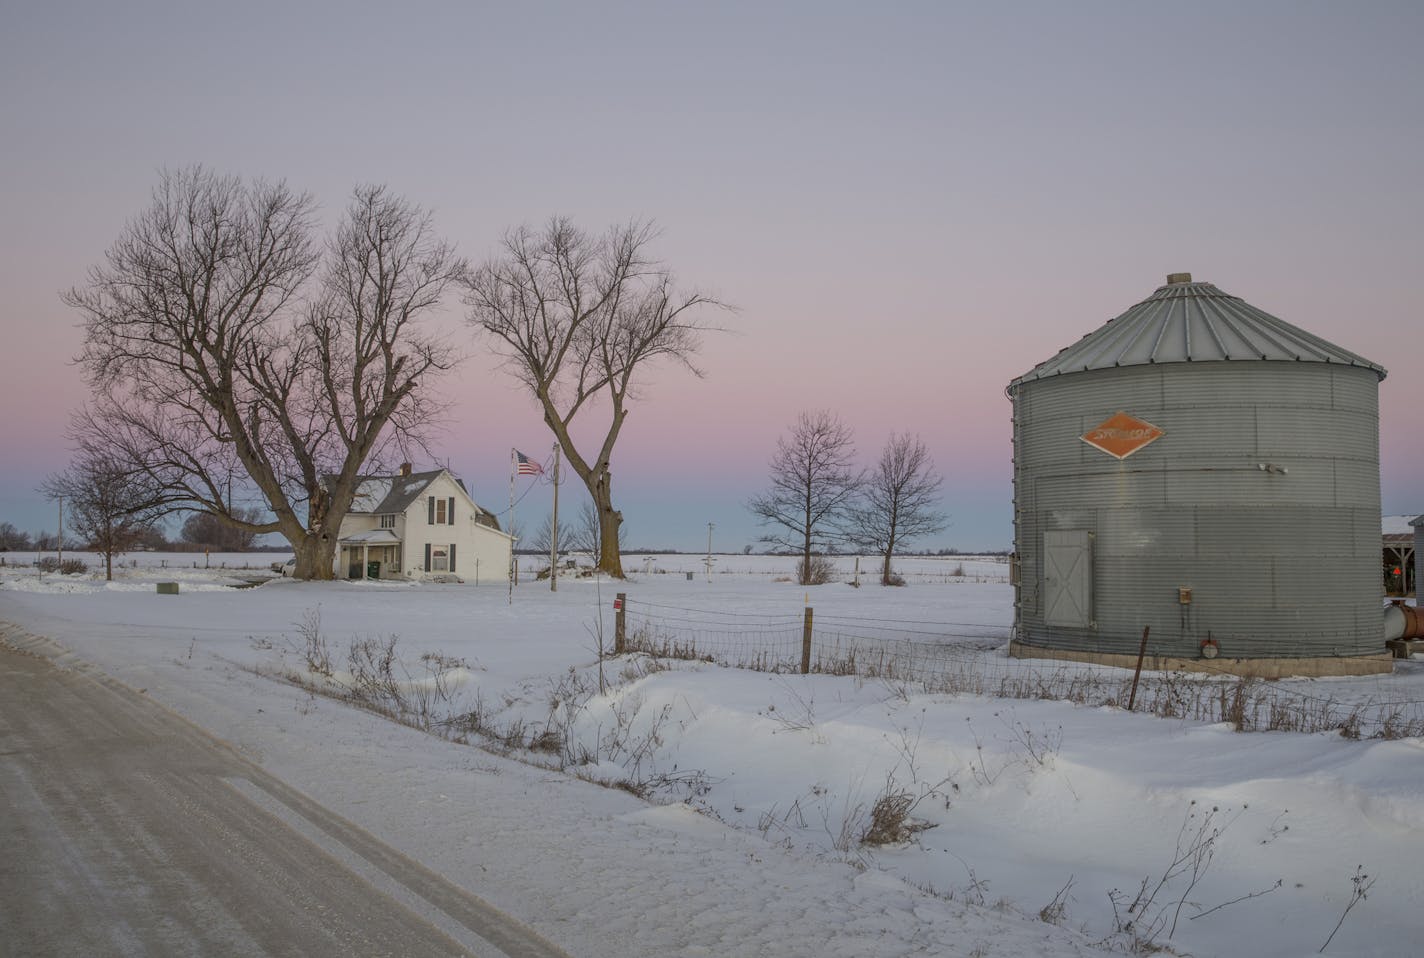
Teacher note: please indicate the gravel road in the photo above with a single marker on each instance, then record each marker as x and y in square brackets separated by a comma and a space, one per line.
[126, 830]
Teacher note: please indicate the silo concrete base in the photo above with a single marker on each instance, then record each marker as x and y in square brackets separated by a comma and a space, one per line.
[1273, 668]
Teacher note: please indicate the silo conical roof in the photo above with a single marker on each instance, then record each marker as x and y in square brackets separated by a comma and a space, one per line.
[1184, 322]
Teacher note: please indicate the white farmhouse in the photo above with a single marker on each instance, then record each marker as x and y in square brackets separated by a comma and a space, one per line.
[415, 524]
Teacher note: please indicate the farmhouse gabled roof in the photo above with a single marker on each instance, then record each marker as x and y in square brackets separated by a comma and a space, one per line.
[1184, 322]
[392, 495]
[387, 495]
[1398, 525]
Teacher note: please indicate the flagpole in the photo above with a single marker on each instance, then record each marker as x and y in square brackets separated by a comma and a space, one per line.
[554, 530]
[512, 560]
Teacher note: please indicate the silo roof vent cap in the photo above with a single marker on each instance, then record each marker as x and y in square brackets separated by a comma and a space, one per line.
[1177, 279]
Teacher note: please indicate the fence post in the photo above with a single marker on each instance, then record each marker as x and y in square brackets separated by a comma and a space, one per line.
[1142, 651]
[806, 644]
[620, 633]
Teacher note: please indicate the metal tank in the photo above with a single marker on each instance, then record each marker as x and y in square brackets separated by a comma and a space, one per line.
[1205, 471]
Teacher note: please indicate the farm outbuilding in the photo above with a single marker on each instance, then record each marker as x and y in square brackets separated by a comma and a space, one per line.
[1397, 550]
[1417, 524]
[1205, 471]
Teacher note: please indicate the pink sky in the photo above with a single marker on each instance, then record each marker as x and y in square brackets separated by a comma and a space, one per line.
[910, 204]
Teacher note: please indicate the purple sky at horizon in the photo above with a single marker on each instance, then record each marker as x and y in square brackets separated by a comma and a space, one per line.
[909, 204]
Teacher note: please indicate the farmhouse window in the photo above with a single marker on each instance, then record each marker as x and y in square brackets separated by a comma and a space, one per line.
[441, 511]
[388, 522]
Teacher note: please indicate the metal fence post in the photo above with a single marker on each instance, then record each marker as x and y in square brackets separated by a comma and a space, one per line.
[1141, 653]
[806, 644]
[620, 631]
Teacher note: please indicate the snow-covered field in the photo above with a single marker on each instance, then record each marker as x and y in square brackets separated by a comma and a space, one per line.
[1027, 819]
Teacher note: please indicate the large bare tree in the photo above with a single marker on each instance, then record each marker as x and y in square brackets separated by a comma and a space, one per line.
[229, 352]
[899, 500]
[814, 482]
[578, 317]
[109, 506]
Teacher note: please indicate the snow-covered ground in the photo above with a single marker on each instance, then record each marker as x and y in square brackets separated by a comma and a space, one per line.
[763, 785]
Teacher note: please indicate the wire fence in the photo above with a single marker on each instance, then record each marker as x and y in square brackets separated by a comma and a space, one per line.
[972, 658]
[936, 572]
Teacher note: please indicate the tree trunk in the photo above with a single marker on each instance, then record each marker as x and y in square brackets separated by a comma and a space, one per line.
[610, 558]
[316, 559]
[315, 545]
[889, 551]
[805, 576]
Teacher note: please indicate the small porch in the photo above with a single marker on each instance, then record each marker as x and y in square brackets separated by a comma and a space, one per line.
[373, 554]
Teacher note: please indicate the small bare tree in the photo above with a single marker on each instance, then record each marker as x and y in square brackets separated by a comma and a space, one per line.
[214, 375]
[813, 487]
[542, 540]
[110, 507]
[12, 538]
[578, 318]
[898, 501]
[206, 529]
[585, 533]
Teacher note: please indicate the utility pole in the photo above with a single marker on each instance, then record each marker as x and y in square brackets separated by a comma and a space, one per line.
[513, 559]
[60, 544]
[554, 530]
[709, 552]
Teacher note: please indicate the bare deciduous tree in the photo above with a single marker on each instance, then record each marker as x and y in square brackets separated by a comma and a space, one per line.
[109, 506]
[898, 501]
[12, 538]
[813, 486]
[585, 533]
[541, 542]
[206, 529]
[213, 379]
[577, 318]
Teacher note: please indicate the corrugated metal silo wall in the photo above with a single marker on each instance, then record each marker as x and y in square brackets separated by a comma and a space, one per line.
[1418, 564]
[1279, 564]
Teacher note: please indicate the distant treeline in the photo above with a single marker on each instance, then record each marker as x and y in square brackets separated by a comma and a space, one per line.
[749, 551]
[153, 540]
[204, 534]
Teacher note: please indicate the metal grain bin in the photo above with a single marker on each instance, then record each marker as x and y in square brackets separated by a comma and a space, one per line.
[1205, 470]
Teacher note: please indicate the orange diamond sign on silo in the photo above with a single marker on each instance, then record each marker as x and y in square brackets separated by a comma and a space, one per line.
[1121, 435]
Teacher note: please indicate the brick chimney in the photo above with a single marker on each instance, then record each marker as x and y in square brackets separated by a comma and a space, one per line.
[405, 469]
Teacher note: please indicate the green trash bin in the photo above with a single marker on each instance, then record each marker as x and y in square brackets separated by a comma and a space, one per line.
[373, 570]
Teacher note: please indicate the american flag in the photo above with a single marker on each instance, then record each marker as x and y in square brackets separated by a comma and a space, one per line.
[527, 466]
